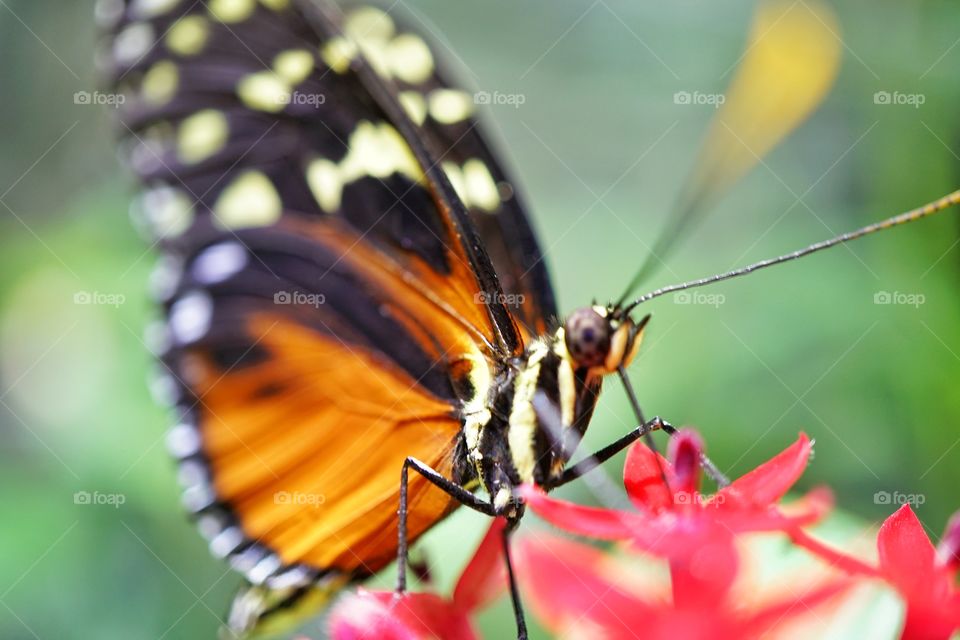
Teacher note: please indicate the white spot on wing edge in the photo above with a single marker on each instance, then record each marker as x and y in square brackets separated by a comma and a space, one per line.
[190, 317]
[219, 262]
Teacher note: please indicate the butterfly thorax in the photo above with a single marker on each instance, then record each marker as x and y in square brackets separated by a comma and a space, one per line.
[536, 407]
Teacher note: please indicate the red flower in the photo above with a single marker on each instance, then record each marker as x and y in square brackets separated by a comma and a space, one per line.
[579, 591]
[675, 521]
[383, 615]
[924, 577]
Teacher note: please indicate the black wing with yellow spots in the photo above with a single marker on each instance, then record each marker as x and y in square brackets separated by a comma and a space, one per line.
[323, 202]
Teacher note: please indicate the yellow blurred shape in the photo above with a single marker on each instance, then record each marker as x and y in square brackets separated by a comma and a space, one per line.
[790, 64]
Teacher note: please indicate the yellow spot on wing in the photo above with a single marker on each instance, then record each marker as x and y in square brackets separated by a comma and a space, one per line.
[294, 65]
[202, 135]
[276, 5]
[409, 59]
[369, 22]
[474, 185]
[448, 106]
[378, 151]
[264, 91]
[232, 10]
[160, 83]
[480, 186]
[339, 53]
[323, 176]
[250, 201]
[188, 35]
[414, 104]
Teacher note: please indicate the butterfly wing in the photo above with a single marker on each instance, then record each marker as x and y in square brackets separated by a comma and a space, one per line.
[330, 306]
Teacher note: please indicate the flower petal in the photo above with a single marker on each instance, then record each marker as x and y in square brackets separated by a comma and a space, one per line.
[833, 557]
[562, 582]
[485, 576]
[685, 451]
[771, 480]
[606, 524]
[702, 576]
[907, 556]
[362, 616]
[382, 615]
[643, 479]
[804, 603]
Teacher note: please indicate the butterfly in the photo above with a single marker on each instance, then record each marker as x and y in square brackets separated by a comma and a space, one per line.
[360, 332]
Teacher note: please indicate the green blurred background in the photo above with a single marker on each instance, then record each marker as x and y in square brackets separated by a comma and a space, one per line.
[601, 151]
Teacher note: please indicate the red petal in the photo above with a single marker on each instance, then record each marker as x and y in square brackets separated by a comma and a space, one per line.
[702, 576]
[769, 618]
[361, 616]
[562, 583]
[376, 615]
[807, 511]
[834, 558]
[771, 480]
[906, 554]
[685, 450]
[595, 522]
[643, 478]
[948, 551]
[484, 578]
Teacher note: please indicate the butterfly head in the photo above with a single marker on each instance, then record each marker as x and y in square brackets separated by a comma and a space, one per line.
[603, 338]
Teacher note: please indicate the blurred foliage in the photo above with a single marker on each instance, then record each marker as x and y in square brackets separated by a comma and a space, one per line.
[601, 150]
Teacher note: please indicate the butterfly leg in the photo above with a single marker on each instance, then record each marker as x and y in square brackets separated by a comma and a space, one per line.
[514, 591]
[452, 489]
[467, 499]
[591, 462]
[708, 466]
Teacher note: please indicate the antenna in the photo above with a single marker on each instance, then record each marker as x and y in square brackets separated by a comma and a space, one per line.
[910, 216]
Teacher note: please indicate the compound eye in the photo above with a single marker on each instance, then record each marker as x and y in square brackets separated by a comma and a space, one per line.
[587, 335]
